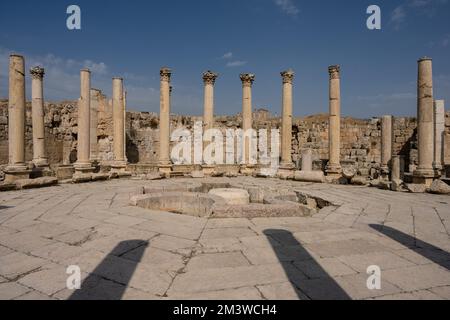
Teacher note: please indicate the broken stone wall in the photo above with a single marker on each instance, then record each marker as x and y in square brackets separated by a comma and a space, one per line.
[360, 139]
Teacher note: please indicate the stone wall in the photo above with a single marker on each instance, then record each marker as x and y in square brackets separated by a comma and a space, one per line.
[360, 139]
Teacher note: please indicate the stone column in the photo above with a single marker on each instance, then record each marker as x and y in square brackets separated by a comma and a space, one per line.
[95, 96]
[439, 130]
[247, 121]
[125, 94]
[286, 125]
[425, 126]
[334, 168]
[397, 167]
[386, 144]
[16, 169]
[209, 79]
[37, 110]
[83, 164]
[397, 172]
[165, 165]
[119, 163]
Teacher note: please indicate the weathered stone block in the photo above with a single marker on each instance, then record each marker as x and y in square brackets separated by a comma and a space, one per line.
[439, 187]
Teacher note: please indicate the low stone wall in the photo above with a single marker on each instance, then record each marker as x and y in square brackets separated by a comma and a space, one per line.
[360, 139]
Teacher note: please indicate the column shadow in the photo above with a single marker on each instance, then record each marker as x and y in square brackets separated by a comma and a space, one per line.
[4, 207]
[321, 286]
[425, 249]
[95, 287]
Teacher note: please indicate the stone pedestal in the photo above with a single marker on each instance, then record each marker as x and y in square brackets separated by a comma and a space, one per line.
[83, 164]
[425, 173]
[119, 164]
[334, 168]
[439, 131]
[165, 165]
[386, 145]
[16, 169]
[247, 122]
[208, 170]
[307, 160]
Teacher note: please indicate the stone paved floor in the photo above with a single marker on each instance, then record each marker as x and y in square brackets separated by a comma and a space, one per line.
[130, 253]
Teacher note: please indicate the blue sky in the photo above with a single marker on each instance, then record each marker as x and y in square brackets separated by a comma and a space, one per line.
[135, 38]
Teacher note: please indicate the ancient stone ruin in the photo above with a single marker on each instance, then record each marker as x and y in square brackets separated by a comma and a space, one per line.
[95, 138]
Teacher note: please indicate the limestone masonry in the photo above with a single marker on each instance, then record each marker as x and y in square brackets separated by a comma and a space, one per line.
[360, 138]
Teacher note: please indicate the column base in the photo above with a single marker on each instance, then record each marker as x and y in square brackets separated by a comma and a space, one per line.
[333, 171]
[40, 163]
[247, 169]
[208, 170]
[119, 170]
[165, 169]
[17, 172]
[81, 167]
[65, 172]
[424, 176]
[286, 171]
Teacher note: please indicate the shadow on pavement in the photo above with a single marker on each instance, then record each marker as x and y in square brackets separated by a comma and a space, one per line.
[322, 286]
[423, 248]
[95, 287]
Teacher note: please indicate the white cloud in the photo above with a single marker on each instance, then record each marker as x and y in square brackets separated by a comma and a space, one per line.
[227, 55]
[288, 7]
[236, 63]
[398, 16]
[418, 7]
[62, 80]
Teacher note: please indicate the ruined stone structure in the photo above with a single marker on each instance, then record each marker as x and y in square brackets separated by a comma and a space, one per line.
[98, 134]
[360, 139]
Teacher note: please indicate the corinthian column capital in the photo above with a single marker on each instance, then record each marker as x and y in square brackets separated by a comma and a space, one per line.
[209, 77]
[288, 76]
[247, 79]
[37, 72]
[165, 74]
[334, 72]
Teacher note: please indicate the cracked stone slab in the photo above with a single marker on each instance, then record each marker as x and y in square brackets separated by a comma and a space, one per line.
[18, 264]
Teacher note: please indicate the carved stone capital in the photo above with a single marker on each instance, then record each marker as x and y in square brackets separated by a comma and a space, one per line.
[334, 72]
[165, 74]
[247, 79]
[37, 72]
[288, 76]
[209, 77]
